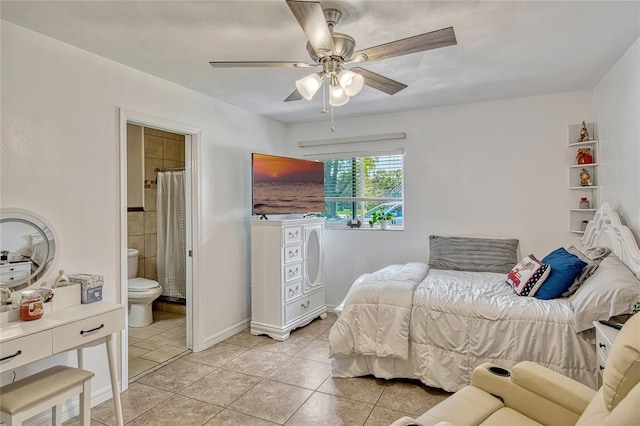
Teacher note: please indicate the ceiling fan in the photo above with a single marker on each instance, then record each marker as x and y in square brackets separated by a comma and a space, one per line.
[331, 51]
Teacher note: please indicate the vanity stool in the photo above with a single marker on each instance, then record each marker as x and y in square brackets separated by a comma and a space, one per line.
[46, 389]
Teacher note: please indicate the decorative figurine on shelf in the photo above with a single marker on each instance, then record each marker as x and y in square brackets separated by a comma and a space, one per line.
[584, 156]
[584, 203]
[585, 178]
[583, 225]
[584, 133]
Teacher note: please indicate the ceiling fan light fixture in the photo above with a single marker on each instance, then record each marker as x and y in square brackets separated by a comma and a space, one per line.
[337, 96]
[351, 82]
[308, 86]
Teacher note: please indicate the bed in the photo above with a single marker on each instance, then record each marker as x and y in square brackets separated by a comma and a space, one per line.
[436, 325]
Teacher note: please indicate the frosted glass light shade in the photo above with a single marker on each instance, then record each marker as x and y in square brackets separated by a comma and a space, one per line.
[309, 85]
[351, 82]
[337, 97]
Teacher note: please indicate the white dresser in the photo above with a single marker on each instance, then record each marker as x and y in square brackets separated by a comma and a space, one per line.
[287, 275]
[14, 273]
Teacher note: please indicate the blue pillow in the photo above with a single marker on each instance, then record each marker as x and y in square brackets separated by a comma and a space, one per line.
[565, 267]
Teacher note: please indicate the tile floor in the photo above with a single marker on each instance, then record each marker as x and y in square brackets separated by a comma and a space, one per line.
[254, 380]
[152, 346]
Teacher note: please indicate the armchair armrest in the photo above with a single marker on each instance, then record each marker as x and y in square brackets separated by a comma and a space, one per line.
[536, 392]
[553, 386]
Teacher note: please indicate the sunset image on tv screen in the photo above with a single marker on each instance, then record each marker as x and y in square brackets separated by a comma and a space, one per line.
[284, 185]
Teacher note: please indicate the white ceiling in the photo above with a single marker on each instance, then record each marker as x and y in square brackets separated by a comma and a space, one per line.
[505, 48]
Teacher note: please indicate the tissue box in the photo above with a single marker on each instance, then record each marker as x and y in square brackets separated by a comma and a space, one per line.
[90, 286]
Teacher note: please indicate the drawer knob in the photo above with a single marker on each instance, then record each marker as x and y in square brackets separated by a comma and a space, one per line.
[83, 332]
[292, 291]
[11, 356]
[293, 234]
[292, 254]
[602, 345]
[601, 368]
[307, 305]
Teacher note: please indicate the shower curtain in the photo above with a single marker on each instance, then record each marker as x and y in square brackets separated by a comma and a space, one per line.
[172, 242]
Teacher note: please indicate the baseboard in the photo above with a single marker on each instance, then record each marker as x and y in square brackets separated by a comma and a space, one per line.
[225, 334]
[70, 408]
[236, 328]
[331, 308]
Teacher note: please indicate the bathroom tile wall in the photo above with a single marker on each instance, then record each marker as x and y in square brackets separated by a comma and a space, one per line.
[161, 150]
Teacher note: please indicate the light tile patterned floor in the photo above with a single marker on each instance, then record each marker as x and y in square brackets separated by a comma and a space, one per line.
[253, 380]
[152, 346]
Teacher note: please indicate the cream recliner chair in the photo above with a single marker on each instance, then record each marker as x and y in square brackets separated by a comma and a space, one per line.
[534, 395]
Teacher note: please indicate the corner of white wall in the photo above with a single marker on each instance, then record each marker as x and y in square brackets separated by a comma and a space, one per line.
[616, 106]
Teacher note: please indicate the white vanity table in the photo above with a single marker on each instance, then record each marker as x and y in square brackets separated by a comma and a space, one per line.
[74, 327]
[66, 324]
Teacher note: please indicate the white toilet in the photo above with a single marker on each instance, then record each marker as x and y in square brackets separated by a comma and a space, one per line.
[141, 293]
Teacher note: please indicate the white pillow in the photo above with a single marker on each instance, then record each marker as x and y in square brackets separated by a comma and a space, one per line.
[611, 290]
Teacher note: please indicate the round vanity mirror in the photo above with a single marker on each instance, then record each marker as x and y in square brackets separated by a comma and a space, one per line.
[28, 248]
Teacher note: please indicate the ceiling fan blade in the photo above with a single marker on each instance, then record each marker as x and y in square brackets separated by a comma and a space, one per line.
[311, 18]
[419, 43]
[379, 82]
[253, 64]
[294, 96]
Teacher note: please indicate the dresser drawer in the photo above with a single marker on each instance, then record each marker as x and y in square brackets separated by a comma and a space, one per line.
[15, 268]
[13, 278]
[300, 307]
[292, 234]
[292, 272]
[602, 350]
[293, 253]
[31, 348]
[292, 291]
[78, 333]
[15, 272]
[605, 337]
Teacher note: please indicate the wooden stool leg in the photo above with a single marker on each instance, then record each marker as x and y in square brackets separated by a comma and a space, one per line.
[56, 414]
[85, 404]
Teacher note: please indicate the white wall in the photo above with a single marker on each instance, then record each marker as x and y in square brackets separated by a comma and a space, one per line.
[493, 169]
[616, 109]
[60, 158]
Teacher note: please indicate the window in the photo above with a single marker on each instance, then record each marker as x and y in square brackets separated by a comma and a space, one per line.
[354, 187]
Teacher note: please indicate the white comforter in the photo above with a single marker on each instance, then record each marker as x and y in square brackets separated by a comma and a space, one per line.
[462, 319]
[376, 313]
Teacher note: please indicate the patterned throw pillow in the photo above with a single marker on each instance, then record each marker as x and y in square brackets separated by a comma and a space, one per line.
[528, 275]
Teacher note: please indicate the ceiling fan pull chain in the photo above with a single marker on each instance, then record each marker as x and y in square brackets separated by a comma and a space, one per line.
[324, 98]
[333, 129]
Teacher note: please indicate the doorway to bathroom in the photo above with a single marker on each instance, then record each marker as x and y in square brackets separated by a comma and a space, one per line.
[157, 238]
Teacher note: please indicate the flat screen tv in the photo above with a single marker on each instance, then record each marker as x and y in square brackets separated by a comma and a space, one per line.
[283, 185]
